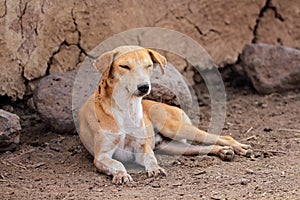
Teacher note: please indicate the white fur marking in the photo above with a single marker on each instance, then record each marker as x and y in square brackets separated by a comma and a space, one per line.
[130, 61]
[137, 58]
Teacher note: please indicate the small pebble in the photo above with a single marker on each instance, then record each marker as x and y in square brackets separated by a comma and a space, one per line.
[267, 129]
[199, 172]
[176, 184]
[249, 171]
[244, 181]
[55, 148]
[155, 185]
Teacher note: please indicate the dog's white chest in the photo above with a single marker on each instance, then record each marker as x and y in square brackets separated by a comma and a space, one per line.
[128, 119]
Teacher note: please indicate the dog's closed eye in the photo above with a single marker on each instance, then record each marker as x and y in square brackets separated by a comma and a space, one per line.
[124, 67]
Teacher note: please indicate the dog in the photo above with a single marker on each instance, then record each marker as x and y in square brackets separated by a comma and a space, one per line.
[117, 125]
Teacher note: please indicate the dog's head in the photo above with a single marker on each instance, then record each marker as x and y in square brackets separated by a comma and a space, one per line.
[130, 67]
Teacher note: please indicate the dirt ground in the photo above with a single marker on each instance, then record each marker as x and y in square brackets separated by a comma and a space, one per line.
[51, 166]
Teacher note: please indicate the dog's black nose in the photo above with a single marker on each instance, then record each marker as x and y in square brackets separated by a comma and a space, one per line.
[143, 88]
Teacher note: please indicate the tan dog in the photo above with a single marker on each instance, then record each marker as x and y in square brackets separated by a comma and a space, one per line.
[116, 124]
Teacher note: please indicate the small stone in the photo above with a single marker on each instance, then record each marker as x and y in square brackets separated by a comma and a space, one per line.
[199, 172]
[244, 181]
[252, 158]
[176, 184]
[267, 129]
[38, 179]
[54, 148]
[249, 171]
[155, 185]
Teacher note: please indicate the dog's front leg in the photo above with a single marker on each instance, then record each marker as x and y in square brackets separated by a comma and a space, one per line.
[109, 166]
[147, 158]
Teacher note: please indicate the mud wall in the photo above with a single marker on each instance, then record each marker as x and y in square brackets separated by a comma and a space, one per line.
[41, 37]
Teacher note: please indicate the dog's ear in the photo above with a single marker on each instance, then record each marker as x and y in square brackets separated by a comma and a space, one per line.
[103, 64]
[159, 59]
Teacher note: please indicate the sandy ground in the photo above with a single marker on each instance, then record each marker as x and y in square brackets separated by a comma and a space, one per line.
[51, 166]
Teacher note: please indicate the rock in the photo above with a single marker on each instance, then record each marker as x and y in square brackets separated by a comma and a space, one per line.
[62, 61]
[52, 36]
[271, 68]
[28, 45]
[155, 185]
[244, 181]
[249, 171]
[9, 131]
[169, 88]
[177, 184]
[54, 103]
[278, 26]
[12, 83]
[208, 22]
[59, 97]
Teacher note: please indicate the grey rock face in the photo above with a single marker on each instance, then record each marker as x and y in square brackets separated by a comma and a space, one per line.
[272, 68]
[9, 130]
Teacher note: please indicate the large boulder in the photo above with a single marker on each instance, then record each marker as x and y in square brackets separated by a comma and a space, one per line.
[54, 103]
[271, 68]
[41, 37]
[9, 131]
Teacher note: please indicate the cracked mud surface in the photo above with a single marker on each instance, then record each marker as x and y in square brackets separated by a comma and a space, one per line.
[44, 37]
[267, 7]
[50, 166]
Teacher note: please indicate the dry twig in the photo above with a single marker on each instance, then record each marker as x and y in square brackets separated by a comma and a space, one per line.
[250, 129]
[249, 138]
[37, 165]
[289, 130]
[20, 165]
[270, 151]
[19, 157]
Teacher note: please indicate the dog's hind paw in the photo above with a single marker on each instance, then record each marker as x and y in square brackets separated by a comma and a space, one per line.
[121, 177]
[226, 153]
[243, 149]
[249, 153]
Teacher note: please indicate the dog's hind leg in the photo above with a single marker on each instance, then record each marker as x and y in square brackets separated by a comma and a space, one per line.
[182, 148]
[176, 130]
[173, 123]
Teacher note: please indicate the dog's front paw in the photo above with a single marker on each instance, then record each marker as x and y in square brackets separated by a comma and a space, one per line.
[121, 177]
[155, 171]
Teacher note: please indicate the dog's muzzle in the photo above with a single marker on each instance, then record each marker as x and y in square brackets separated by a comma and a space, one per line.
[143, 89]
